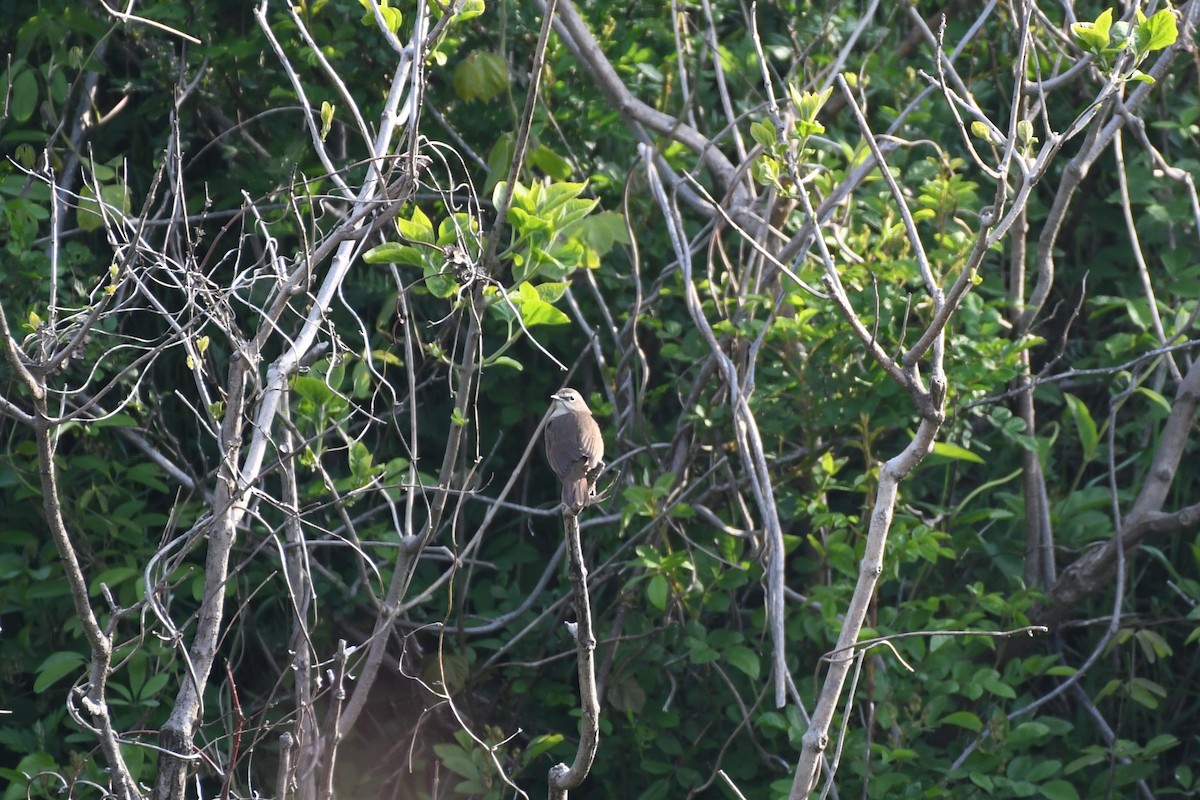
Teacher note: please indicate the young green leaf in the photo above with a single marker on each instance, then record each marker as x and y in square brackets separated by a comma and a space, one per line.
[764, 133]
[1094, 36]
[1156, 33]
[418, 228]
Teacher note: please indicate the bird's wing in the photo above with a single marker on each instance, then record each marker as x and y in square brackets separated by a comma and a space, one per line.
[562, 444]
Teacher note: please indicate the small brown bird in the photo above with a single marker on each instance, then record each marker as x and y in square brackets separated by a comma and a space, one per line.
[574, 447]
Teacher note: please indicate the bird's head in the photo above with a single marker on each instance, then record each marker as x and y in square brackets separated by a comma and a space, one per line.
[568, 401]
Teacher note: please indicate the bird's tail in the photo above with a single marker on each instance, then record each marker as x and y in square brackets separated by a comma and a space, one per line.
[576, 494]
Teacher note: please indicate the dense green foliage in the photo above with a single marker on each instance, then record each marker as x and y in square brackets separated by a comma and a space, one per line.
[207, 151]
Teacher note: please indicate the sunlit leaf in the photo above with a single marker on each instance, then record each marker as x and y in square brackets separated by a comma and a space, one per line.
[1094, 36]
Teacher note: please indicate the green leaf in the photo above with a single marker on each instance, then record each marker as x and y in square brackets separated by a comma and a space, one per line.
[25, 155]
[1093, 36]
[766, 171]
[391, 16]
[658, 790]
[451, 671]
[534, 310]
[570, 212]
[112, 578]
[1039, 771]
[532, 303]
[458, 227]
[626, 695]
[438, 280]
[982, 781]
[147, 474]
[1085, 426]
[1058, 790]
[602, 230]
[1027, 733]
[551, 197]
[506, 361]
[656, 592]
[701, 652]
[457, 760]
[565, 258]
[55, 667]
[1118, 37]
[1155, 398]
[991, 681]
[1146, 692]
[88, 214]
[1156, 33]
[1108, 689]
[553, 291]
[468, 10]
[541, 744]
[808, 104]
[1160, 744]
[524, 222]
[764, 133]
[24, 95]
[480, 76]
[498, 162]
[806, 128]
[551, 163]
[953, 451]
[361, 381]
[103, 173]
[964, 719]
[982, 130]
[152, 687]
[417, 228]
[744, 659]
[1090, 758]
[1025, 132]
[386, 357]
[724, 638]
[361, 462]
[1153, 645]
[395, 253]
[327, 111]
[313, 390]
[733, 579]
[32, 764]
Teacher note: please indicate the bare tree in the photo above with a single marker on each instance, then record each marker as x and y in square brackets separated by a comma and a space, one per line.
[267, 332]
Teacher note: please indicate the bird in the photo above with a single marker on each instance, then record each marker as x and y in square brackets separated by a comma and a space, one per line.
[574, 447]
